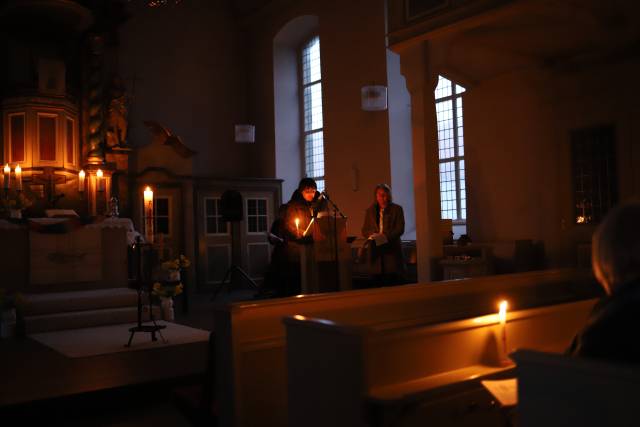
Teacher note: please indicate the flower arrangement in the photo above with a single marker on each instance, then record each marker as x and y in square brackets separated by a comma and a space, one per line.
[15, 200]
[176, 264]
[167, 290]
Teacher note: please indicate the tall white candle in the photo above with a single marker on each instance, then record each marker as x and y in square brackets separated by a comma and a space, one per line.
[99, 180]
[81, 177]
[18, 178]
[7, 176]
[148, 214]
[502, 317]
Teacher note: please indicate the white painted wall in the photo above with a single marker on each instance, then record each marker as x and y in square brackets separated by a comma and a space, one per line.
[401, 152]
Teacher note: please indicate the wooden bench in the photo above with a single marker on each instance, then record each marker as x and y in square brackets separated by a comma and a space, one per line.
[416, 373]
[251, 379]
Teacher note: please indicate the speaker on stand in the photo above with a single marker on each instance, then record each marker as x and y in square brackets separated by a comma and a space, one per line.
[232, 211]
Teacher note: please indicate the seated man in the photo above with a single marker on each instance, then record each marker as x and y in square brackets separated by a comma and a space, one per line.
[611, 331]
[383, 225]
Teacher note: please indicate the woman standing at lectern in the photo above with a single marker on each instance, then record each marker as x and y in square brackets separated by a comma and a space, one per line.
[297, 216]
[383, 226]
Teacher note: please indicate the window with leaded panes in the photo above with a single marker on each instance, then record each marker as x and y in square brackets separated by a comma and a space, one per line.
[213, 223]
[453, 199]
[311, 89]
[257, 217]
[161, 216]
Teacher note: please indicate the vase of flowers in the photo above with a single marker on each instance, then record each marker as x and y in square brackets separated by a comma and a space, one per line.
[166, 291]
[166, 304]
[173, 267]
[13, 204]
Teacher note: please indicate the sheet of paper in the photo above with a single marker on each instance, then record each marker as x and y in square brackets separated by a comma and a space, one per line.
[379, 238]
[505, 391]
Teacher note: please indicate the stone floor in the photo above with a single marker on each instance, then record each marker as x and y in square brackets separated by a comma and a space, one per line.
[33, 374]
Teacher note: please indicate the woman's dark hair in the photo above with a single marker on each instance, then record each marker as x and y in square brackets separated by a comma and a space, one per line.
[307, 183]
[383, 187]
[296, 195]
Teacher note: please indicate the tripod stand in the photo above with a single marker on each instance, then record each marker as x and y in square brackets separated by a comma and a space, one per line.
[140, 284]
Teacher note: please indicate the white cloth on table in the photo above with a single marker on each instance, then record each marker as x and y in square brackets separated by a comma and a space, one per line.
[124, 223]
[114, 222]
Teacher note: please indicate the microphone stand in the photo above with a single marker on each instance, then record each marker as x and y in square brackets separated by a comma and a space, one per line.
[336, 211]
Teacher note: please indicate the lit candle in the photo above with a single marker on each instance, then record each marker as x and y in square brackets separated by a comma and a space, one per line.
[18, 178]
[148, 214]
[99, 180]
[297, 227]
[81, 176]
[502, 317]
[7, 176]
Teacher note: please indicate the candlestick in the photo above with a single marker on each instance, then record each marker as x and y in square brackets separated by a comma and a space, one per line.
[297, 227]
[81, 176]
[18, 171]
[148, 214]
[7, 176]
[99, 180]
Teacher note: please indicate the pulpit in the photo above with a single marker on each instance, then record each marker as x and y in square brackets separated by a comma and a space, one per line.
[326, 263]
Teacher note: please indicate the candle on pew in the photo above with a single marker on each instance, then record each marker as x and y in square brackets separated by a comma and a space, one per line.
[502, 317]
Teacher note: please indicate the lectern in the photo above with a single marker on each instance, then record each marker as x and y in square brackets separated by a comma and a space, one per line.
[326, 263]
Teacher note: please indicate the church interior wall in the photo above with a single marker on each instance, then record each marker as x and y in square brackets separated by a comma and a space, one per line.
[190, 79]
[517, 148]
[352, 55]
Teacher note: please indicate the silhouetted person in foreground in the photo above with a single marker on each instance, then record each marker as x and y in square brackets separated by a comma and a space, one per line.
[611, 332]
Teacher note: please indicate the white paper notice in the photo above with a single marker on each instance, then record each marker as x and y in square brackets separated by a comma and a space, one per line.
[379, 238]
[505, 391]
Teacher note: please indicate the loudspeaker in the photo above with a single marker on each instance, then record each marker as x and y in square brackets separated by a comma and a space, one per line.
[231, 206]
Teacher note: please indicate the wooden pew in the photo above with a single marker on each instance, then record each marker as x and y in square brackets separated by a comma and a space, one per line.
[411, 374]
[251, 380]
[555, 390]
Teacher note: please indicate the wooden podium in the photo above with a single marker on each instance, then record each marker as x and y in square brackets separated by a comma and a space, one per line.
[319, 270]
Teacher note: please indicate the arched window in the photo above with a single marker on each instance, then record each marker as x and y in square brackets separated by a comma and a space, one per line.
[453, 200]
[292, 74]
[311, 90]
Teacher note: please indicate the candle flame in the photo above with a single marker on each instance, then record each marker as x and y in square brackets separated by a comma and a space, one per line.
[502, 313]
[18, 169]
[81, 174]
[297, 222]
[99, 173]
[148, 194]
[7, 169]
